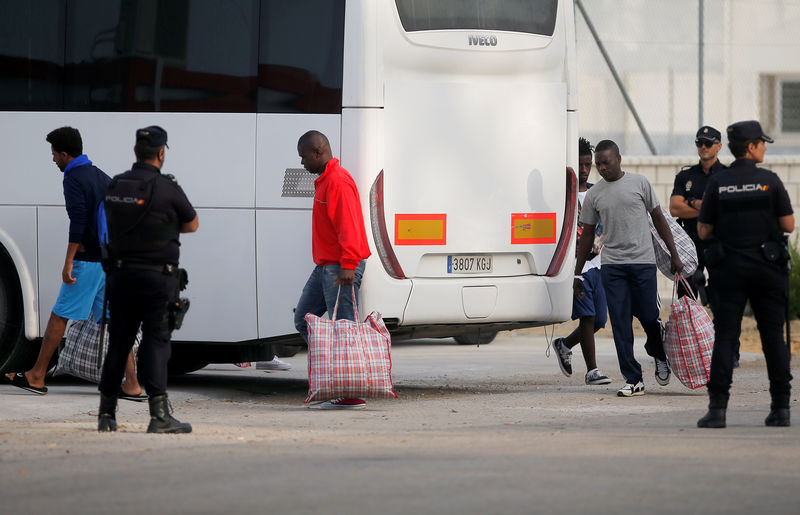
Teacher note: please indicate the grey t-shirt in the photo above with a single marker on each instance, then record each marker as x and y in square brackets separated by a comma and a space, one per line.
[623, 207]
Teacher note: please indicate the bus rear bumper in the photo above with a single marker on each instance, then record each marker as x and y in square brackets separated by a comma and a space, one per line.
[488, 300]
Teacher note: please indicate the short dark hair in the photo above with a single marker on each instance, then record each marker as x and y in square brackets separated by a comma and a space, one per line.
[316, 139]
[606, 144]
[584, 147]
[66, 139]
[146, 152]
[739, 148]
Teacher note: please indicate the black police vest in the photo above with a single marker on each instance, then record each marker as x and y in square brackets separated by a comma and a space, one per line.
[133, 226]
[746, 210]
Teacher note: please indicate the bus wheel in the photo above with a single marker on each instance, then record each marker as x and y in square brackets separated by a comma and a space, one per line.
[16, 353]
[475, 338]
[184, 365]
[285, 350]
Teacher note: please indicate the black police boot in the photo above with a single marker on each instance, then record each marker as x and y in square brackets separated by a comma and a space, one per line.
[107, 414]
[715, 417]
[161, 420]
[778, 412]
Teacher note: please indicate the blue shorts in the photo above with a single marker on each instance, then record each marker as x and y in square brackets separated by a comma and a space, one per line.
[593, 303]
[76, 301]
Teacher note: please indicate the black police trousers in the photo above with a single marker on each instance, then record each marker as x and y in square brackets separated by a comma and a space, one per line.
[738, 279]
[138, 297]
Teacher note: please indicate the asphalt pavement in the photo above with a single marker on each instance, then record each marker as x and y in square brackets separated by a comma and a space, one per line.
[490, 429]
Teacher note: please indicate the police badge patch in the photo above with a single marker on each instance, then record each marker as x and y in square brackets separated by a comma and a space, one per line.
[688, 185]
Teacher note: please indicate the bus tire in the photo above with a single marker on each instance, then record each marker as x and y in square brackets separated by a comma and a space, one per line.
[184, 365]
[16, 352]
[283, 350]
[476, 338]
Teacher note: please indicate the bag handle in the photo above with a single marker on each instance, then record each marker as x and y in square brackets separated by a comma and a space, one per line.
[353, 298]
[679, 278]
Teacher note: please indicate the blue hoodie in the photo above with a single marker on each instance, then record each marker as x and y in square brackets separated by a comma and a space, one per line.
[84, 188]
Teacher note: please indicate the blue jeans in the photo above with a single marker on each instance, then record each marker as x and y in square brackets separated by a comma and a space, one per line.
[631, 291]
[319, 296]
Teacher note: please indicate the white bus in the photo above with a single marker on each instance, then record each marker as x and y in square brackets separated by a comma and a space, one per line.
[456, 118]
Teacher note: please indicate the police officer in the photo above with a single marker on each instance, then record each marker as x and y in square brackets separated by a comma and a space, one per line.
[747, 210]
[145, 210]
[687, 193]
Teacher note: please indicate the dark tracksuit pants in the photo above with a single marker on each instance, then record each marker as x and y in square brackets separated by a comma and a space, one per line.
[138, 297]
[739, 278]
[632, 291]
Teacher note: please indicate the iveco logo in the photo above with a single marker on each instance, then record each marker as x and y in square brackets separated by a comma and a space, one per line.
[475, 40]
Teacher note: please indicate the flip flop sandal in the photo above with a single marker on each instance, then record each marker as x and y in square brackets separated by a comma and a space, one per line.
[142, 397]
[20, 381]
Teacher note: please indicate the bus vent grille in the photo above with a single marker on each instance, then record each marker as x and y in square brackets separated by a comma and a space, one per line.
[298, 182]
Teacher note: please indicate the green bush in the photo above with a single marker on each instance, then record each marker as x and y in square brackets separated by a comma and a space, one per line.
[794, 281]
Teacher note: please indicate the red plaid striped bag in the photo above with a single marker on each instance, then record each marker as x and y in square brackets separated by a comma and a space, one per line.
[348, 359]
[689, 339]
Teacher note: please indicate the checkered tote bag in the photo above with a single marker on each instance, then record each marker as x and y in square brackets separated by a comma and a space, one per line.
[683, 244]
[78, 357]
[689, 339]
[348, 359]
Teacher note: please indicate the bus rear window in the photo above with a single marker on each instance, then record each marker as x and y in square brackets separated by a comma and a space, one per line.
[529, 16]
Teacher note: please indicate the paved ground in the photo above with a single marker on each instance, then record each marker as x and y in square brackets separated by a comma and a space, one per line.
[494, 429]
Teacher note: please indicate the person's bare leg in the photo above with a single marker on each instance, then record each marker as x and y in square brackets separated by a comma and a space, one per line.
[56, 326]
[131, 384]
[586, 328]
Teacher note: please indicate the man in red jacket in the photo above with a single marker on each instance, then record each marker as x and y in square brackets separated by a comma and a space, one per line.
[338, 242]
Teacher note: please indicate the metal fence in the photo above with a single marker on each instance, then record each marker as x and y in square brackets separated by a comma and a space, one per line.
[686, 63]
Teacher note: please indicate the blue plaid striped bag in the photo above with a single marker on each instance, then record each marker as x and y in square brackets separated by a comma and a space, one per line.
[683, 244]
[78, 356]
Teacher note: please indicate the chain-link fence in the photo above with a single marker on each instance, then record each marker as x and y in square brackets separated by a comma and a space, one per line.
[749, 70]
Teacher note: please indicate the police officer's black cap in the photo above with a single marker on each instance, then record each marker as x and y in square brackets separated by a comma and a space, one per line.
[709, 133]
[741, 132]
[152, 136]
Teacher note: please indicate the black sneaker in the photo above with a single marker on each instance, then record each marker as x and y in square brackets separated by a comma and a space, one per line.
[564, 356]
[663, 373]
[594, 377]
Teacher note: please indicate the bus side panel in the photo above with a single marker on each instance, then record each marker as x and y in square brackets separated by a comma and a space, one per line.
[205, 149]
[53, 229]
[276, 152]
[283, 240]
[220, 260]
[18, 236]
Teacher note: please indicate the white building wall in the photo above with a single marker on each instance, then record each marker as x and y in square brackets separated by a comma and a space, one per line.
[654, 46]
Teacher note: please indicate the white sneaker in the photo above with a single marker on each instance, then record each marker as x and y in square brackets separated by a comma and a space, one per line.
[344, 403]
[629, 390]
[273, 364]
[594, 376]
[663, 373]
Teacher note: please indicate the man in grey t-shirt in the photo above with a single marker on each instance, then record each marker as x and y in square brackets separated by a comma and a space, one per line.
[622, 201]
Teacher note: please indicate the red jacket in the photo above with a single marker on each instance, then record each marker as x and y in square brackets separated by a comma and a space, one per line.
[337, 226]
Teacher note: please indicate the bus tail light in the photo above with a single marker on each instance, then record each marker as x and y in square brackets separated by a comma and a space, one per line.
[377, 221]
[569, 224]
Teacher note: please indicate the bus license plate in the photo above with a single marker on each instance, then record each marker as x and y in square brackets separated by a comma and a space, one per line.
[469, 264]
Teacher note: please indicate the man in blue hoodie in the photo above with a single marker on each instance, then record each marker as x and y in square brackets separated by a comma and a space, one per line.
[83, 279]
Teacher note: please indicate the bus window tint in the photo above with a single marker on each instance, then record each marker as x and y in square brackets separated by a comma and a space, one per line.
[300, 56]
[530, 16]
[124, 55]
[31, 54]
